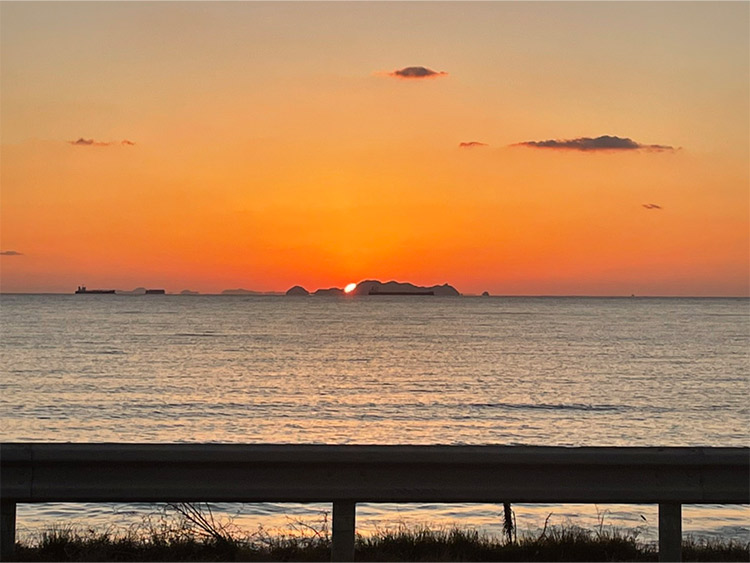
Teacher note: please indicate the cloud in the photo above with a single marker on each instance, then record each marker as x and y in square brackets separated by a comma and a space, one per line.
[472, 144]
[603, 143]
[10, 253]
[416, 72]
[651, 206]
[81, 142]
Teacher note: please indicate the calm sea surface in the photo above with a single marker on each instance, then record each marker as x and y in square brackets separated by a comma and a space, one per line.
[390, 370]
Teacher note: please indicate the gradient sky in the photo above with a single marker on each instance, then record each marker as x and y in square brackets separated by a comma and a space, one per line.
[206, 146]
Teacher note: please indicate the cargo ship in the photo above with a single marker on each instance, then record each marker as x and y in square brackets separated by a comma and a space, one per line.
[155, 292]
[82, 289]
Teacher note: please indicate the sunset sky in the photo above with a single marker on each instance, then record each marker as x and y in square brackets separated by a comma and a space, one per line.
[592, 148]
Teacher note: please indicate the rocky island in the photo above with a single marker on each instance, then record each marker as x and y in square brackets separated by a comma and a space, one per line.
[297, 290]
[378, 288]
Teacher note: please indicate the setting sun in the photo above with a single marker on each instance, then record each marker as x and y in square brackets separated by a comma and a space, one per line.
[349, 288]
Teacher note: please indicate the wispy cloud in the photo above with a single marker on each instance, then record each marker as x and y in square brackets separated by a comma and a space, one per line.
[10, 253]
[81, 142]
[651, 206]
[472, 144]
[603, 143]
[416, 73]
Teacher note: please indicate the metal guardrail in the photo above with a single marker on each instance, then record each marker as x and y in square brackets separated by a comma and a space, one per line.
[346, 475]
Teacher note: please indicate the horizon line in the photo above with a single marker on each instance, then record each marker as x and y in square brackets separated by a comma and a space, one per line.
[508, 295]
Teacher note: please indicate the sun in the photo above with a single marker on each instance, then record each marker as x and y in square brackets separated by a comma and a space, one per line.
[349, 288]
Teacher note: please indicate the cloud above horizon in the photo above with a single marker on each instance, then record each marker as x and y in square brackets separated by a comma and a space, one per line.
[472, 144]
[416, 73]
[81, 142]
[651, 206]
[10, 253]
[602, 143]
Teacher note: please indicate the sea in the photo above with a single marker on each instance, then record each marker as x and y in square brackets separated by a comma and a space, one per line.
[554, 371]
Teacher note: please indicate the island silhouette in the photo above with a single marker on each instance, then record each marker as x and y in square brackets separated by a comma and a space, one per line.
[366, 287]
[378, 288]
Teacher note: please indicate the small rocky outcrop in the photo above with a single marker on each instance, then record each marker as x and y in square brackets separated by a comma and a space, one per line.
[297, 290]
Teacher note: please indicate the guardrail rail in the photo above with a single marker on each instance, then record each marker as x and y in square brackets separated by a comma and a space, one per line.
[346, 475]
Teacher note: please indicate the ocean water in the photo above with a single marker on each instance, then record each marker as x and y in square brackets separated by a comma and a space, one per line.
[392, 370]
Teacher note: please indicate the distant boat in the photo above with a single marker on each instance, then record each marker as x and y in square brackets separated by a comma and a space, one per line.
[82, 289]
[155, 292]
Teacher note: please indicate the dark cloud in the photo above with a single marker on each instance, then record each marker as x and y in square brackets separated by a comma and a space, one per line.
[651, 206]
[603, 143]
[471, 144]
[416, 72]
[10, 253]
[81, 142]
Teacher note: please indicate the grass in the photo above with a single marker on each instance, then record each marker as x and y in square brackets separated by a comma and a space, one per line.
[194, 535]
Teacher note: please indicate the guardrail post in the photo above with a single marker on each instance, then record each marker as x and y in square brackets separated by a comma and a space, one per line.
[342, 544]
[670, 531]
[7, 529]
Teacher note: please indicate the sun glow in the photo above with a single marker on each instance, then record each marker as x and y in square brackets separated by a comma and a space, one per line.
[349, 288]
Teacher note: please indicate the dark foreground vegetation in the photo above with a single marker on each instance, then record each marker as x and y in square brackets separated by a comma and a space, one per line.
[195, 536]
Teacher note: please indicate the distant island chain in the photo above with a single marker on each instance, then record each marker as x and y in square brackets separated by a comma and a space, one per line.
[375, 287]
[363, 288]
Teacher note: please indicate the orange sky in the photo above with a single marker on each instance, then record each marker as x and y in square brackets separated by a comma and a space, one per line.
[273, 146]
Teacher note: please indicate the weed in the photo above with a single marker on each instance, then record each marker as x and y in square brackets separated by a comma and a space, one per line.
[179, 534]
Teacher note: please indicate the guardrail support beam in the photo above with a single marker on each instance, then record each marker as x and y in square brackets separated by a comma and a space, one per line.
[670, 531]
[342, 543]
[7, 529]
